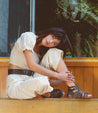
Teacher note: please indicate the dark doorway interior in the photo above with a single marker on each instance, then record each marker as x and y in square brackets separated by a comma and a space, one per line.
[19, 19]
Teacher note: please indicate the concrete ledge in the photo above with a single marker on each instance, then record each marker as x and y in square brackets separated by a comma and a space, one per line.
[49, 106]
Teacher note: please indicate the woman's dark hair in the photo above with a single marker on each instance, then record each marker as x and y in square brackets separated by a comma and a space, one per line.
[59, 33]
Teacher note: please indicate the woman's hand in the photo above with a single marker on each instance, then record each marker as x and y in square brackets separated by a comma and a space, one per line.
[66, 76]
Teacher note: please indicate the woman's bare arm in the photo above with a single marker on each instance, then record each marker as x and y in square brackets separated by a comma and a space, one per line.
[63, 68]
[64, 76]
[36, 67]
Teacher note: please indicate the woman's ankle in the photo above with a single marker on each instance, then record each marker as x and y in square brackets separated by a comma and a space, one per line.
[70, 84]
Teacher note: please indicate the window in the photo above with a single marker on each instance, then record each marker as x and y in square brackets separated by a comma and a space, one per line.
[14, 19]
[18, 16]
[78, 18]
[4, 15]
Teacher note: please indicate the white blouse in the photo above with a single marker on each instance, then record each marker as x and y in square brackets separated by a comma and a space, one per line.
[27, 41]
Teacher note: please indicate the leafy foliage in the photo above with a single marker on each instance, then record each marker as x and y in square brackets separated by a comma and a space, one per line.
[79, 13]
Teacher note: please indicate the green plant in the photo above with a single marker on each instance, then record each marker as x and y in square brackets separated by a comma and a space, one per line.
[76, 11]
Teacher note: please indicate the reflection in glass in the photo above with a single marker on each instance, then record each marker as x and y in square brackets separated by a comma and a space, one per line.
[4, 15]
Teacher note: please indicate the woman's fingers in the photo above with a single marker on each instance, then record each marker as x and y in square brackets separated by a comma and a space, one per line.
[67, 76]
[70, 78]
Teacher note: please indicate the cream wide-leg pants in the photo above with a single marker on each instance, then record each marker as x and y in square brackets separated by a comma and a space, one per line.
[27, 87]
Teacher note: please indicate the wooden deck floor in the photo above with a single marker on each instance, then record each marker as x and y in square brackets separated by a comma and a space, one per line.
[49, 106]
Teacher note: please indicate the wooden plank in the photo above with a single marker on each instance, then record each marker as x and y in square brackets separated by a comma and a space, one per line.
[74, 61]
[4, 61]
[79, 77]
[95, 87]
[88, 79]
[81, 61]
[3, 77]
[49, 106]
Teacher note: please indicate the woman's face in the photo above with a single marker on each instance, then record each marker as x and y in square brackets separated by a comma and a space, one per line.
[50, 41]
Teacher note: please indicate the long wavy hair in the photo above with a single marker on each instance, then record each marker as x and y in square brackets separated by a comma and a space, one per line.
[60, 34]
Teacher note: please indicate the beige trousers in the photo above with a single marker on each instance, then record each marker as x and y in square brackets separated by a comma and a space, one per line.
[27, 87]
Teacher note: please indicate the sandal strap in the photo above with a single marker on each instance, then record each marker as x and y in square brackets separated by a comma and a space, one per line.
[76, 92]
[85, 95]
[56, 93]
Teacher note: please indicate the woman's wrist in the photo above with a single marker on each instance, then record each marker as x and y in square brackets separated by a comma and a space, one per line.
[57, 75]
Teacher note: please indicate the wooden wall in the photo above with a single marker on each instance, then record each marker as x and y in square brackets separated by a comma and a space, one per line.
[85, 71]
[3, 75]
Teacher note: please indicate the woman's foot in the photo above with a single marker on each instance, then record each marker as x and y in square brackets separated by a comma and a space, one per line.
[56, 93]
[76, 92]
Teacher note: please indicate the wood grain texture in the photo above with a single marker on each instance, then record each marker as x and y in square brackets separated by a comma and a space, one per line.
[95, 81]
[49, 106]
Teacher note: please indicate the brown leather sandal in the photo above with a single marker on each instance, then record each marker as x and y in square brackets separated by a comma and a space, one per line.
[76, 92]
[56, 93]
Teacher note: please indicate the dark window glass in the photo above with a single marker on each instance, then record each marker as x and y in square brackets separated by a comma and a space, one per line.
[78, 18]
[14, 19]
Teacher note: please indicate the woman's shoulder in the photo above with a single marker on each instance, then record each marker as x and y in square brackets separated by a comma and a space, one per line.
[27, 38]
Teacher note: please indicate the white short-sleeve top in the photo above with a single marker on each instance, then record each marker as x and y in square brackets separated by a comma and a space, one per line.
[27, 41]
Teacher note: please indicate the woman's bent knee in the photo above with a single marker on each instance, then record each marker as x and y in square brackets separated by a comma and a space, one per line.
[52, 58]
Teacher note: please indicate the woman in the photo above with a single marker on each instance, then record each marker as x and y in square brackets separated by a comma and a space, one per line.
[28, 78]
